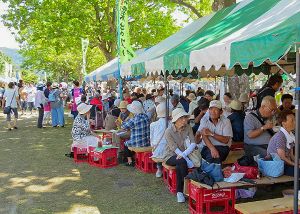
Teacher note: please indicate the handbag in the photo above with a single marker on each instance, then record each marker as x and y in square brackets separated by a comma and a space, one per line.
[251, 172]
[7, 109]
[272, 168]
[213, 169]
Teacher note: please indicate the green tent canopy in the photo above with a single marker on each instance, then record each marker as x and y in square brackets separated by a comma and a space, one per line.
[251, 33]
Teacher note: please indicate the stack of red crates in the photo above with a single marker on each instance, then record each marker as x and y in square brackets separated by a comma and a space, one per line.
[169, 176]
[80, 155]
[106, 159]
[144, 163]
[202, 200]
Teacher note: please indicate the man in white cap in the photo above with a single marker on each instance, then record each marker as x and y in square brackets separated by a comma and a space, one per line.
[139, 127]
[216, 133]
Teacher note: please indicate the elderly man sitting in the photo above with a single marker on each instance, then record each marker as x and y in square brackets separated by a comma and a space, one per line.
[216, 133]
[258, 128]
[139, 127]
[175, 100]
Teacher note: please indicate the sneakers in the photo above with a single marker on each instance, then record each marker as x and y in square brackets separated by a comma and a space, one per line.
[158, 173]
[180, 197]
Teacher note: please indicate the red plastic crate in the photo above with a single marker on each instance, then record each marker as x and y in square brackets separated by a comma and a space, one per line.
[80, 155]
[144, 163]
[106, 159]
[202, 200]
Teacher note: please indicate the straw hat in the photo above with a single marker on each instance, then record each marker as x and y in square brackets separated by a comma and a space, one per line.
[244, 98]
[83, 108]
[178, 113]
[236, 105]
[135, 107]
[123, 104]
[161, 110]
[191, 96]
[55, 85]
[216, 104]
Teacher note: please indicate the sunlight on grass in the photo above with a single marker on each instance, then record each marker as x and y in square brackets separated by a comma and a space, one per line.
[52, 184]
[3, 175]
[21, 182]
[81, 209]
[83, 193]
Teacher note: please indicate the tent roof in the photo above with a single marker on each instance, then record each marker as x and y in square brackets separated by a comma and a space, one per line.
[249, 32]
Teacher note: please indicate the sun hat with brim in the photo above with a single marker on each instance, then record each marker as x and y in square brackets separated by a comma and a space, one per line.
[191, 96]
[235, 105]
[123, 104]
[161, 110]
[135, 107]
[216, 104]
[83, 108]
[244, 98]
[54, 85]
[178, 113]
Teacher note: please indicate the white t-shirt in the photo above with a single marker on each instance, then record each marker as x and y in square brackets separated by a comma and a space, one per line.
[10, 97]
[31, 94]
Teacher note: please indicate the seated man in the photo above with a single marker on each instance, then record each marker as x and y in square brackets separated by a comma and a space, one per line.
[258, 128]
[287, 103]
[283, 142]
[216, 133]
[175, 100]
[199, 112]
[139, 127]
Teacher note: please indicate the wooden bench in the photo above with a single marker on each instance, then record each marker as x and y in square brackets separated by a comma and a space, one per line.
[233, 156]
[158, 160]
[266, 206]
[140, 149]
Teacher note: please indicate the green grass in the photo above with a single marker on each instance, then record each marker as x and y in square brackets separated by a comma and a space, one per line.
[36, 177]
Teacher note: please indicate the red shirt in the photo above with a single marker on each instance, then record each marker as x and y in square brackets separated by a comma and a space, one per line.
[97, 102]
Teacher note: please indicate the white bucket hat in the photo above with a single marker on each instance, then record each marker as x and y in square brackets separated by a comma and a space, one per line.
[191, 96]
[178, 113]
[216, 104]
[135, 107]
[83, 108]
[161, 110]
[236, 105]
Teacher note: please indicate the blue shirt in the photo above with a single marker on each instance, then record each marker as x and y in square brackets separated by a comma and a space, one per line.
[139, 127]
[237, 123]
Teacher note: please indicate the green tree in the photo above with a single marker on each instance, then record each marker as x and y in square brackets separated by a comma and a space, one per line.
[29, 76]
[50, 31]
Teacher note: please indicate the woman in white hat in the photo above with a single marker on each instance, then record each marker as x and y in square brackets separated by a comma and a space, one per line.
[237, 118]
[157, 132]
[82, 135]
[39, 102]
[193, 103]
[139, 127]
[179, 136]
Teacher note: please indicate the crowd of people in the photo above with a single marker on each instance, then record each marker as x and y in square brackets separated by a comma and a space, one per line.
[199, 121]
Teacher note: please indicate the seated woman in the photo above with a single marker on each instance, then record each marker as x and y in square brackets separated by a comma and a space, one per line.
[139, 127]
[282, 143]
[177, 135]
[157, 132]
[124, 115]
[237, 118]
[82, 135]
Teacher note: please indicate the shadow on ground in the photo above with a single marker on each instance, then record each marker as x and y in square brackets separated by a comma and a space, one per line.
[36, 177]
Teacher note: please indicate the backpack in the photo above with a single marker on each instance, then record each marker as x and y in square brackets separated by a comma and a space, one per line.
[52, 96]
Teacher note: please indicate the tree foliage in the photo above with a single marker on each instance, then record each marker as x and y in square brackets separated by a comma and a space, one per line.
[50, 31]
[4, 58]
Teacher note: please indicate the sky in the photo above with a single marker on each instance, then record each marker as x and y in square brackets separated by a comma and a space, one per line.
[6, 38]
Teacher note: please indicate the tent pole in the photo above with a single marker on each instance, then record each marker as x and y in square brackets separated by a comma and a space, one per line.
[296, 167]
[167, 98]
[281, 68]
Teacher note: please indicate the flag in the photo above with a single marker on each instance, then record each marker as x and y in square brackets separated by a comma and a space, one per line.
[84, 44]
[126, 53]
